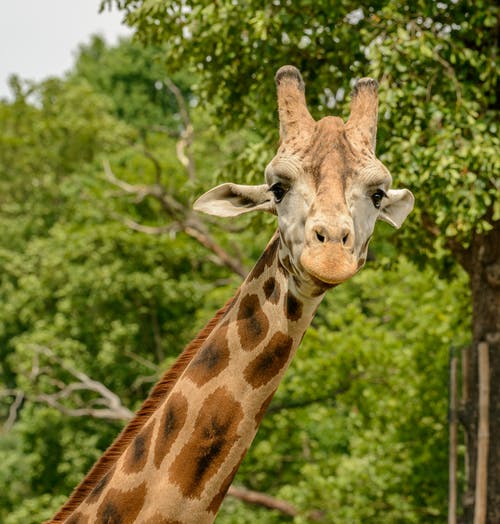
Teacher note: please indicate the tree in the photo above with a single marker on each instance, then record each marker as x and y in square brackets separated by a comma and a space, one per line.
[438, 70]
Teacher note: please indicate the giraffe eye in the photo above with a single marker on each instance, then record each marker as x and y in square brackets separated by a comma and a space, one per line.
[377, 198]
[278, 191]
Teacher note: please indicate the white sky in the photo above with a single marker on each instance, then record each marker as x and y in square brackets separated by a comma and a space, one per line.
[39, 38]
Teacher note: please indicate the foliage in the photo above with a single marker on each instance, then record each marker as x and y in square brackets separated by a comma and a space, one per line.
[358, 428]
[133, 76]
[440, 76]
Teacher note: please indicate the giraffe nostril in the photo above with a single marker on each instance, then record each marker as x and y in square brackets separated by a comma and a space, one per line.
[324, 236]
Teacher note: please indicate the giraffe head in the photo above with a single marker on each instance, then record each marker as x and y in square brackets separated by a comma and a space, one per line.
[325, 184]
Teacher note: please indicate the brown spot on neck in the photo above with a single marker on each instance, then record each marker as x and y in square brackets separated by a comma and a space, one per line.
[270, 361]
[172, 421]
[137, 452]
[293, 307]
[212, 358]
[121, 507]
[272, 290]
[252, 322]
[215, 433]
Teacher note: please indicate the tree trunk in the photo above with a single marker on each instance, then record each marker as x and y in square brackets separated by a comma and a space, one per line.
[483, 266]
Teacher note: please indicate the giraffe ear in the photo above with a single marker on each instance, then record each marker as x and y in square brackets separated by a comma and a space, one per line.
[396, 206]
[230, 200]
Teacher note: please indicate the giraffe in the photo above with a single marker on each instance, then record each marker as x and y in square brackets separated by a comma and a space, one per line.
[174, 462]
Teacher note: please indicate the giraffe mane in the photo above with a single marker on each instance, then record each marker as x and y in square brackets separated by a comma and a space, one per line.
[159, 392]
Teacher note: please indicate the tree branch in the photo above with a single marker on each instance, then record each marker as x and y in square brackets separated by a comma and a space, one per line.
[221, 257]
[148, 230]
[322, 399]
[107, 405]
[141, 191]
[13, 408]
[262, 499]
[452, 438]
[185, 220]
[195, 229]
[451, 73]
[183, 147]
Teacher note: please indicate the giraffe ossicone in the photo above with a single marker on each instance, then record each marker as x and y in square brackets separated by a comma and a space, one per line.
[176, 459]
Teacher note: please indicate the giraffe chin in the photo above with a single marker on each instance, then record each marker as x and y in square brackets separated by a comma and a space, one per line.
[334, 268]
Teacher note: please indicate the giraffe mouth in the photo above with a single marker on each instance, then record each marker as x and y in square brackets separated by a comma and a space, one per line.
[330, 264]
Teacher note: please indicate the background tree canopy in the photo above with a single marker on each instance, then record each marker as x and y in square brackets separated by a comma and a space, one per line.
[106, 272]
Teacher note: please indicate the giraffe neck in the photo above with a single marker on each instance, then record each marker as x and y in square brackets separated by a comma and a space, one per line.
[180, 464]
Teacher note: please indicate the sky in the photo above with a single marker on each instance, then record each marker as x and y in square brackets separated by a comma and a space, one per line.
[39, 38]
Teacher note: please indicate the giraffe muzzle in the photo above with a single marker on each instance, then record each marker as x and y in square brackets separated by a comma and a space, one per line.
[329, 262]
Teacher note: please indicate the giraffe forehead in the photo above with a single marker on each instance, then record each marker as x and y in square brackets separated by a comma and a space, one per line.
[333, 158]
[324, 155]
